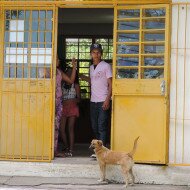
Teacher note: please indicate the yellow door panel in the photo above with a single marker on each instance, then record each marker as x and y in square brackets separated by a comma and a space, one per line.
[27, 83]
[141, 80]
[140, 116]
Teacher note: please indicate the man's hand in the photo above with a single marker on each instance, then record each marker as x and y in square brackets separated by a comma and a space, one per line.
[106, 105]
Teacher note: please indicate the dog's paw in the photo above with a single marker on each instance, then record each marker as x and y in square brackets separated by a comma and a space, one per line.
[102, 181]
[125, 186]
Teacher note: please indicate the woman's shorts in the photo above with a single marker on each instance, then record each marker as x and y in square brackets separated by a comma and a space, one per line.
[70, 109]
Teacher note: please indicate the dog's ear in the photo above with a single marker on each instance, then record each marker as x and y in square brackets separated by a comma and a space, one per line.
[100, 142]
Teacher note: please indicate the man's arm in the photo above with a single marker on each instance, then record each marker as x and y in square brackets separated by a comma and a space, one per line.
[84, 77]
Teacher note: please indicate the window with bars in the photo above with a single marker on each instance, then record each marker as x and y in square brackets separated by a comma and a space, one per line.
[28, 44]
[140, 43]
[80, 49]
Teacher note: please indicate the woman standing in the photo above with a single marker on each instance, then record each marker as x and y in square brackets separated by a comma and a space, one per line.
[60, 76]
[71, 98]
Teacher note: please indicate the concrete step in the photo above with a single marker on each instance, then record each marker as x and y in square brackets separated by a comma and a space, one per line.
[77, 167]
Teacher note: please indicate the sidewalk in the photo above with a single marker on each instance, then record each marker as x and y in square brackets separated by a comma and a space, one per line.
[44, 183]
[82, 167]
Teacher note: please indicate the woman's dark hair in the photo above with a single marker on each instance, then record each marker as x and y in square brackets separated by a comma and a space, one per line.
[76, 76]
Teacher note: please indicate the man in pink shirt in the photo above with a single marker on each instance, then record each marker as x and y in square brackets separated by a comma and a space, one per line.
[101, 91]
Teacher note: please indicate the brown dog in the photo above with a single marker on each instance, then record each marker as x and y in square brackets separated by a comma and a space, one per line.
[106, 156]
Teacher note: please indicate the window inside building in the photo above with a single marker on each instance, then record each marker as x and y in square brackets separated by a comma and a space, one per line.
[79, 48]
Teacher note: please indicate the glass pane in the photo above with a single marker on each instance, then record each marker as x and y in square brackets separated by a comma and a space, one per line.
[49, 25]
[34, 25]
[48, 37]
[42, 37]
[33, 73]
[7, 14]
[12, 71]
[83, 70]
[154, 12]
[127, 49]
[85, 89]
[19, 71]
[26, 25]
[41, 45]
[34, 36]
[21, 15]
[42, 14]
[49, 15]
[128, 37]
[14, 14]
[154, 61]
[7, 36]
[154, 49]
[84, 83]
[128, 25]
[48, 45]
[100, 41]
[7, 25]
[84, 48]
[42, 25]
[84, 55]
[133, 13]
[84, 64]
[27, 15]
[35, 15]
[127, 73]
[153, 73]
[48, 72]
[34, 45]
[154, 37]
[154, 24]
[6, 72]
[26, 72]
[41, 72]
[71, 55]
[127, 61]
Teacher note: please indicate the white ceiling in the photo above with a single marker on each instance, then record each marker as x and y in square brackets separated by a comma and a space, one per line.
[86, 15]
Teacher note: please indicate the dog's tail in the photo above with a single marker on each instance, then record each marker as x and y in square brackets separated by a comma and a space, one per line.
[131, 154]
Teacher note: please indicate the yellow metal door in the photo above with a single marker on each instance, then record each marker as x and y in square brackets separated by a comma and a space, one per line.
[140, 81]
[26, 83]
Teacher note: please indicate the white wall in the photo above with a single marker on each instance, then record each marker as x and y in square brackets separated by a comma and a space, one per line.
[179, 129]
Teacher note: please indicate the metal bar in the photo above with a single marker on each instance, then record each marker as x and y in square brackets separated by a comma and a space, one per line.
[29, 75]
[114, 70]
[176, 84]
[141, 48]
[184, 100]
[1, 73]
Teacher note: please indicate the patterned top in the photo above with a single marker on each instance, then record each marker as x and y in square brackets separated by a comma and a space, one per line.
[58, 84]
[69, 93]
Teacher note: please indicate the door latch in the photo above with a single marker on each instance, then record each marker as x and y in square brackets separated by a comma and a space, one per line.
[163, 87]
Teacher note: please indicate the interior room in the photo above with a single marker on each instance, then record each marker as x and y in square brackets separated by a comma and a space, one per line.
[78, 28]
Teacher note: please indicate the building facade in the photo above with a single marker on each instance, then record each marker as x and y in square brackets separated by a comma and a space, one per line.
[150, 77]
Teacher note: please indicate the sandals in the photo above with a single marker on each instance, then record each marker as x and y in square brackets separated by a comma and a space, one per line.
[69, 153]
[59, 154]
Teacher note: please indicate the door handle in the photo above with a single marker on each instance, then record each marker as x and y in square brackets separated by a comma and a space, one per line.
[163, 87]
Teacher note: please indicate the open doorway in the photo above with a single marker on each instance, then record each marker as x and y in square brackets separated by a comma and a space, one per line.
[78, 28]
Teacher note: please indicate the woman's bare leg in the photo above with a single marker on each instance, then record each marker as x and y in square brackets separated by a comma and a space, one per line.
[71, 126]
[63, 131]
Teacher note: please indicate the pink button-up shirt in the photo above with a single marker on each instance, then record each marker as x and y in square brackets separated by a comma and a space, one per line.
[99, 81]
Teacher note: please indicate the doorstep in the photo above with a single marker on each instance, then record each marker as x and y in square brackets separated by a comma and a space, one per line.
[85, 167]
